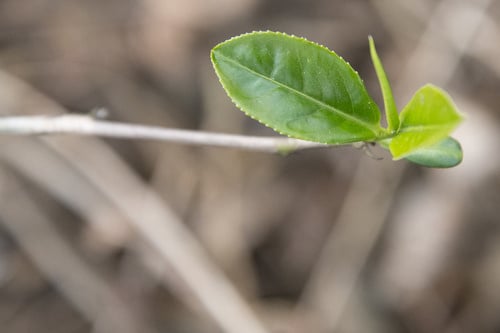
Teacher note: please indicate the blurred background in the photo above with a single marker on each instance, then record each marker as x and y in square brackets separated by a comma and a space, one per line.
[105, 235]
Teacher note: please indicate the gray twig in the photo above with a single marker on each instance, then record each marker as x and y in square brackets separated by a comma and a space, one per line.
[86, 125]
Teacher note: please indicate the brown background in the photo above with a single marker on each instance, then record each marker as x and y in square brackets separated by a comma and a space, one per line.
[106, 235]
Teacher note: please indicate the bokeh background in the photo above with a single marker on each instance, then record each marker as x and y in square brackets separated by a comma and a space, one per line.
[106, 235]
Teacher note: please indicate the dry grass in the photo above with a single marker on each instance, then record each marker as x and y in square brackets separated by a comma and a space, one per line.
[137, 236]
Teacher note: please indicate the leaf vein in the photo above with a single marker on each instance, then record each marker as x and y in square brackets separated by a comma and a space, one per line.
[321, 103]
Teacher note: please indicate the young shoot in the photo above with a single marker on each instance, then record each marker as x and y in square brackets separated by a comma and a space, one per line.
[306, 91]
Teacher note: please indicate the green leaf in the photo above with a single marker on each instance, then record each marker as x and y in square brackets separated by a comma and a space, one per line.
[428, 118]
[297, 87]
[391, 111]
[444, 154]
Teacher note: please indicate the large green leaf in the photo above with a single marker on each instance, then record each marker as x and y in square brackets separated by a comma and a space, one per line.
[428, 118]
[297, 87]
[444, 154]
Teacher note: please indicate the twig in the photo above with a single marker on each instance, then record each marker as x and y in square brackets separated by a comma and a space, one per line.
[86, 125]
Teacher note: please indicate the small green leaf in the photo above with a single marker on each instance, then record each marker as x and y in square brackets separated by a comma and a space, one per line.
[391, 112]
[428, 118]
[297, 87]
[444, 154]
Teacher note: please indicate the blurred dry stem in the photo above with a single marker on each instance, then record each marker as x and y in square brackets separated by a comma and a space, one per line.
[362, 217]
[318, 241]
[89, 293]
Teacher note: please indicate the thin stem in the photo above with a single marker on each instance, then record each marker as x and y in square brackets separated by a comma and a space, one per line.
[86, 125]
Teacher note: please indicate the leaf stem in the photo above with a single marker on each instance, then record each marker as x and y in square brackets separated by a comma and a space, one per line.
[391, 111]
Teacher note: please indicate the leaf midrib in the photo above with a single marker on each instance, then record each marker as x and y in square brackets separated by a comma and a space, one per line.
[426, 128]
[375, 130]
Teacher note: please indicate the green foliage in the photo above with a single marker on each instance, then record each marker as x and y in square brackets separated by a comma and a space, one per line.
[428, 118]
[297, 87]
[443, 154]
[303, 90]
[391, 111]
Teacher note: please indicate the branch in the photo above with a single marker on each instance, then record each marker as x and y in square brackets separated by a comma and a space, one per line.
[86, 125]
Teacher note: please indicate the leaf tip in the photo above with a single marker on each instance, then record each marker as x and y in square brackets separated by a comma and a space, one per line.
[370, 40]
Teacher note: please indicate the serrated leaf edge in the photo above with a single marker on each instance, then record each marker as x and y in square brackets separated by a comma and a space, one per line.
[376, 131]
